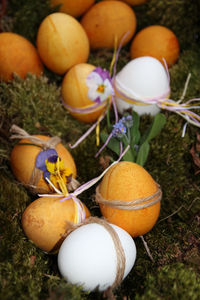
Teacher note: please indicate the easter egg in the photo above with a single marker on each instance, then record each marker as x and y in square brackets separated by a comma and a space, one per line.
[74, 8]
[75, 93]
[131, 2]
[23, 164]
[47, 219]
[107, 22]
[157, 41]
[62, 42]
[18, 55]
[134, 2]
[88, 256]
[143, 79]
[128, 181]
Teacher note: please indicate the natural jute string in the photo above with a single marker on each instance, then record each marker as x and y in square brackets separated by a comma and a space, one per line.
[20, 133]
[135, 204]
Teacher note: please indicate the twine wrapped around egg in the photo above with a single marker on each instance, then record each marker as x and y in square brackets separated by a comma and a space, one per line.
[121, 259]
[135, 204]
[19, 133]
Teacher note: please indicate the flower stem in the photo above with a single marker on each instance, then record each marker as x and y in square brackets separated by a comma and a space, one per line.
[108, 115]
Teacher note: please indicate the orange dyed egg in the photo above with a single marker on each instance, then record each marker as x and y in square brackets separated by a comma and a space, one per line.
[62, 42]
[108, 21]
[157, 41]
[23, 159]
[74, 8]
[132, 2]
[75, 92]
[127, 181]
[46, 220]
[18, 55]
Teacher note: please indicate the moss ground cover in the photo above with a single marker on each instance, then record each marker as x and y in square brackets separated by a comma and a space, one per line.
[34, 104]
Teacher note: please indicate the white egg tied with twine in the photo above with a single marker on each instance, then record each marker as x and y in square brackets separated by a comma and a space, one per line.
[139, 84]
[96, 255]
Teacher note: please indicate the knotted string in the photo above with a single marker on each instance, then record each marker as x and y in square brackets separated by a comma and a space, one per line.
[20, 133]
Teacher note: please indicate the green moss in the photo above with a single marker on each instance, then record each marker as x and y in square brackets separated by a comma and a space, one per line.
[174, 281]
[34, 104]
[24, 17]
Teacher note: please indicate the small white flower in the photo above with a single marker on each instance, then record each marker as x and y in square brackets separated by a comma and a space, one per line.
[99, 85]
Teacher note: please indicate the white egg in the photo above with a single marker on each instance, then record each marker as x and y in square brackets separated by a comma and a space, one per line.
[141, 79]
[88, 257]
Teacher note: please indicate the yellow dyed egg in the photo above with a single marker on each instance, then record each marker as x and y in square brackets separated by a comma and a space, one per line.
[23, 161]
[74, 8]
[18, 55]
[75, 93]
[107, 21]
[128, 181]
[62, 42]
[47, 219]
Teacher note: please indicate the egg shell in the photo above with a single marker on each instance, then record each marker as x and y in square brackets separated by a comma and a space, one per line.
[74, 8]
[62, 42]
[23, 158]
[132, 2]
[18, 55]
[142, 78]
[107, 20]
[75, 92]
[46, 219]
[88, 256]
[156, 41]
[128, 181]
[135, 2]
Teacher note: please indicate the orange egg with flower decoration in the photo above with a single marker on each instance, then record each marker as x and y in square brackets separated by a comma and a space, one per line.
[86, 91]
[35, 159]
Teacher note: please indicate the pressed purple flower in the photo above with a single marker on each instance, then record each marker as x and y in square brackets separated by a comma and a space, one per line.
[42, 156]
[119, 130]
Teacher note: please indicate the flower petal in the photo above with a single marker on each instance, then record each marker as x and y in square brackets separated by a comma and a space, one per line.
[92, 93]
[93, 79]
[42, 156]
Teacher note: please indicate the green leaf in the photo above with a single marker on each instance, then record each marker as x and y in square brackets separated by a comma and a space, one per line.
[155, 128]
[128, 156]
[143, 153]
[135, 133]
[113, 144]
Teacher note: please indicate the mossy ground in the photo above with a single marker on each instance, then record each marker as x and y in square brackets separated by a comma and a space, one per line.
[34, 104]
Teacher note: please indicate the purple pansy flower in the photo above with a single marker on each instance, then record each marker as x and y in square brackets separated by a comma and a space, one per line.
[51, 155]
[100, 85]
